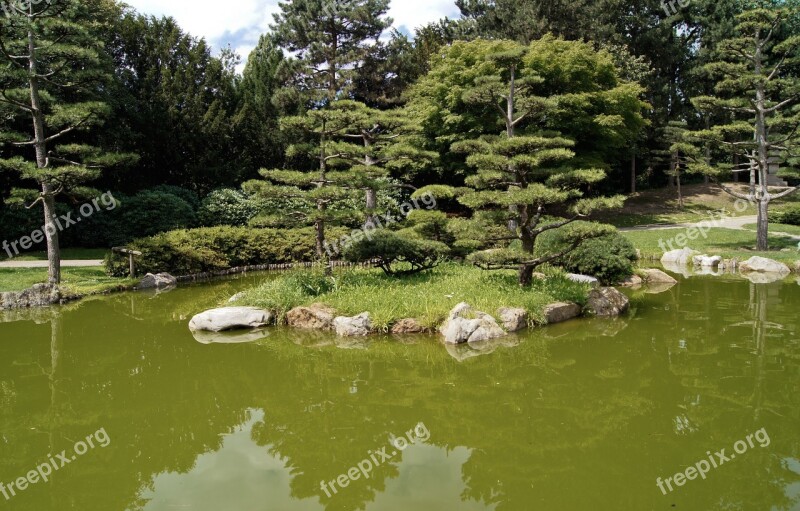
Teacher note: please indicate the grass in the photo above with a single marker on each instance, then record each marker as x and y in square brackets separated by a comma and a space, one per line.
[75, 281]
[660, 206]
[427, 297]
[788, 229]
[66, 254]
[728, 243]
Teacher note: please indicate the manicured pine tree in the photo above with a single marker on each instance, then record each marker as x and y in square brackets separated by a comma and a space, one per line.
[53, 71]
[522, 174]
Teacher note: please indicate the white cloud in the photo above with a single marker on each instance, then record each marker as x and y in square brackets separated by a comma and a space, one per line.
[240, 22]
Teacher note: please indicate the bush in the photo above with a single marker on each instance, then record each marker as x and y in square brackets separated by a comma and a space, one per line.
[228, 207]
[187, 252]
[609, 258]
[189, 196]
[791, 216]
[148, 213]
[393, 252]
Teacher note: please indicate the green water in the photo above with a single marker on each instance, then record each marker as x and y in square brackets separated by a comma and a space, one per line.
[579, 416]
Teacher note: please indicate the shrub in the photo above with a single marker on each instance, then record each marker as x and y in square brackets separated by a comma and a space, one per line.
[148, 213]
[790, 216]
[187, 252]
[228, 207]
[393, 252]
[609, 258]
[189, 196]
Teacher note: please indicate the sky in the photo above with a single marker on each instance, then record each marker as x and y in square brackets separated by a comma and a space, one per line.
[239, 23]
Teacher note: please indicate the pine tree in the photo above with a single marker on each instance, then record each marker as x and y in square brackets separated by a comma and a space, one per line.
[758, 88]
[331, 39]
[53, 73]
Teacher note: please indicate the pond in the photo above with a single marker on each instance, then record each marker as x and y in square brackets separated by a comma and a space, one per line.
[115, 403]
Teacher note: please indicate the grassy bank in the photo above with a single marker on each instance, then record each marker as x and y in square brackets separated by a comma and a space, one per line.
[75, 281]
[728, 243]
[427, 297]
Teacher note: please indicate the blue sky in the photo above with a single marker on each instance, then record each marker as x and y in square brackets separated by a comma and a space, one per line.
[240, 22]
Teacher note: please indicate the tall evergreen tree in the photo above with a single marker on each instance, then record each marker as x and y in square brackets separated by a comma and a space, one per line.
[331, 40]
[53, 75]
[758, 88]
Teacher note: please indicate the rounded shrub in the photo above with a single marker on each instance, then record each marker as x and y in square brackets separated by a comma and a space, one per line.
[609, 258]
[150, 212]
[227, 206]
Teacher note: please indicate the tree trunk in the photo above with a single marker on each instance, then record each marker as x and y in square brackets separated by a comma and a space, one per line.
[526, 275]
[762, 237]
[40, 144]
[633, 173]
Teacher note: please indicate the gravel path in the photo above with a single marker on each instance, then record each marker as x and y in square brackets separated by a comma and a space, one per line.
[43, 264]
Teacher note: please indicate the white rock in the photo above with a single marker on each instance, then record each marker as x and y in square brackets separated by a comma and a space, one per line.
[705, 261]
[467, 325]
[357, 326]
[230, 318]
[764, 265]
[680, 257]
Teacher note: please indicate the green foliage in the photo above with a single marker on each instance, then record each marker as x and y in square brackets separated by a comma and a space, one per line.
[609, 258]
[394, 253]
[187, 252]
[188, 196]
[790, 215]
[148, 213]
[228, 207]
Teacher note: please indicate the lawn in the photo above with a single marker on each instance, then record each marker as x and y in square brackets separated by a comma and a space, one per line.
[729, 243]
[788, 229]
[660, 206]
[77, 281]
[427, 297]
[66, 254]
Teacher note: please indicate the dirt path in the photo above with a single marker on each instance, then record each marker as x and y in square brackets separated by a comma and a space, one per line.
[736, 222]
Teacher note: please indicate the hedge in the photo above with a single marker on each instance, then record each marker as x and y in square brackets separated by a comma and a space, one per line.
[207, 249]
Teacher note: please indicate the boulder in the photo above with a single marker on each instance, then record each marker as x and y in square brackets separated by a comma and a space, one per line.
[653, 276]
[467, 325]
[541, 276]
[607, 301]
[315, 317]
[561, 311]
[40, 295]
[796, 267]
[230, 318]
[513, 320]
[357, 326]
[763, 278]
[157, 281]
[408, 326]
[680, 257]
[584, 279]
[764, 265]
[705, 261]
[633, 281]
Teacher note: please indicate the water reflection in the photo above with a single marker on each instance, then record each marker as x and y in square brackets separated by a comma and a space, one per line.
[582, 415]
